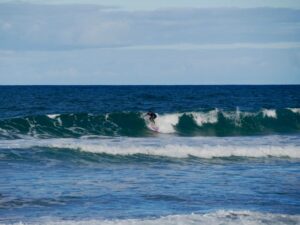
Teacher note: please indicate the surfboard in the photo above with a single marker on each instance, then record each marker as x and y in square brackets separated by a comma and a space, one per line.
[152, 126]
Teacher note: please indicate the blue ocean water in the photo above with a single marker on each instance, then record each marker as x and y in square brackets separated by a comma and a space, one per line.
[87, 155]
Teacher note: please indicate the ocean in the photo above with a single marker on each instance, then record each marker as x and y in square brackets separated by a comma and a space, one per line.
[86, 155]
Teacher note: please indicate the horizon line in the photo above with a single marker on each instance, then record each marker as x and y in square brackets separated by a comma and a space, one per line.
[2, 85]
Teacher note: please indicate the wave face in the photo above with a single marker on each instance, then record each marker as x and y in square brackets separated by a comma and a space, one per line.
[201, 123]
[214, 218]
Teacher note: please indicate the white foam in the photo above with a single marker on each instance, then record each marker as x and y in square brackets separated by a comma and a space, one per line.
[236, 116]
[59, 121]
[56, 117]
[269, 113]
[166, 123]
[295, 110]
[204, 118]
[53, 116]
[215, 218]
[181, 151]
[177, 148]
[4, 132]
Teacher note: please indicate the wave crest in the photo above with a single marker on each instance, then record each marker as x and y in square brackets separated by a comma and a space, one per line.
[203, 123]
[181, 147]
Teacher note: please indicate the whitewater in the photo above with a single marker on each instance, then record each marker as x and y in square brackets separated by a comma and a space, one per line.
[214, 122]
[216, 218]
[177, 147]
[86, 155]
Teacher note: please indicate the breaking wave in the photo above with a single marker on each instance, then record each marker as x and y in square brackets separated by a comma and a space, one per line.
[180, 147]
[214, 218]
[202, 123]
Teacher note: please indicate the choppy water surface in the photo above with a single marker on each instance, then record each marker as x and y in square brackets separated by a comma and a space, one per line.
[85, 155]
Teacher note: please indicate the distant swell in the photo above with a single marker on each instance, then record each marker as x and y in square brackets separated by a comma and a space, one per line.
[201, 123]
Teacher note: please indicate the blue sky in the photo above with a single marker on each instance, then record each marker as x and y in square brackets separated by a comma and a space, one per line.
[153, 42]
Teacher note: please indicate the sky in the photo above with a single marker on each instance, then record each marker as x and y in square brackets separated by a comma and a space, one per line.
[158, 4]
[149, 42]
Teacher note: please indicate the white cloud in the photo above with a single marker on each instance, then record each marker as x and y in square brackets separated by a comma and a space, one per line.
[172, 46]
[155, 4]
[55, 27]
[103, 33]
[279, 45]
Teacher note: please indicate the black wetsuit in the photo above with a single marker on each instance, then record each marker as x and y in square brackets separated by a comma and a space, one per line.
[152, 116]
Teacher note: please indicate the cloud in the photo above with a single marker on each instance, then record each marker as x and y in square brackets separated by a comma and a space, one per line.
[92, 44]
[161, 66]
[183, 47]
[155, 4]
[29, 26]
[57, 27]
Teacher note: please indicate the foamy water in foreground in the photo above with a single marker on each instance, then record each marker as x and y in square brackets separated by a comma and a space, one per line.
[86, 155]
[166, 180]
[216, 218]
[176, 147]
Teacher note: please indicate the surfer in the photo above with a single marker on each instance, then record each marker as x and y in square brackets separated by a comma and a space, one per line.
[152, 116]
